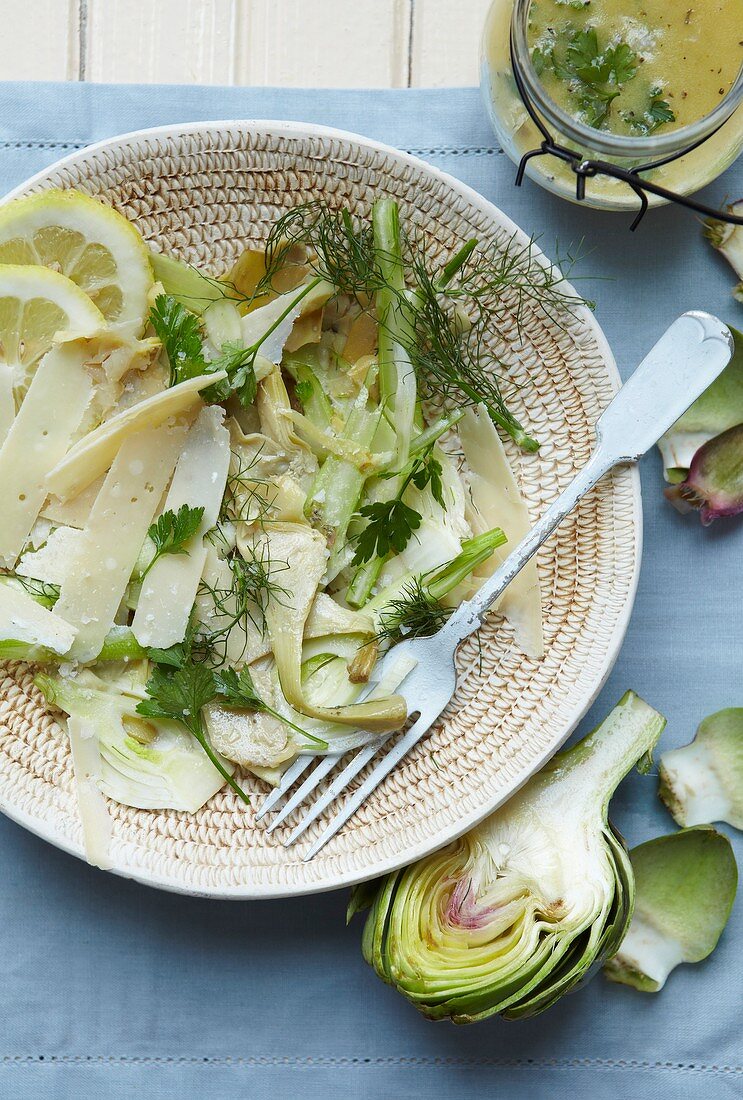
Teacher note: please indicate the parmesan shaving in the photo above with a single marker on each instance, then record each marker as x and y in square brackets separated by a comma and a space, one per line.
[495, 501]
[169, 590]
[52, 562]
[38, 438]
[110, 543]
[256, 323]
[94, 816]
[93, 455]
[75, 511]
[22, 619]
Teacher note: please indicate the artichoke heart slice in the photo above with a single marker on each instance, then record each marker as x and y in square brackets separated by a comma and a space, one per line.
[297, 557]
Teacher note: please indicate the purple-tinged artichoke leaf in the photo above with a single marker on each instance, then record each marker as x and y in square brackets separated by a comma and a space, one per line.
[714, 484]
[720, 407]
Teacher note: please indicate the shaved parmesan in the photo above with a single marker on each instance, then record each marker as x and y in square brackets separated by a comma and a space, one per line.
[95, 452]
[257, 326]
[75, 511]
[52, 562]
[38, 438]
[238, 642]
[169, 590]
[495, 501]
[94, 816]
[110, 543]
[22, 619]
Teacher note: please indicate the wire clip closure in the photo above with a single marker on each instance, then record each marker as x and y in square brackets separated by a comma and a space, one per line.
[588, 168]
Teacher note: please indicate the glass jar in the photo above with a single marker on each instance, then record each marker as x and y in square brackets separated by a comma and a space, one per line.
[718, 137]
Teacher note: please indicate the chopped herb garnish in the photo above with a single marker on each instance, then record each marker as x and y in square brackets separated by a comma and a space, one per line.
[179, 697]
[594, 75]
[171, 531]
[390, 526]
[179, 332]
[415, 613]
[391, 523]
[658, 113]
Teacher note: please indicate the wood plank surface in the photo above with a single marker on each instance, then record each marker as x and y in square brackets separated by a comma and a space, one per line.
[310, 43]
[40, 39]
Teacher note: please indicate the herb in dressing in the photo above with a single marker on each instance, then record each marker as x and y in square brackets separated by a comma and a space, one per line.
[631, 67]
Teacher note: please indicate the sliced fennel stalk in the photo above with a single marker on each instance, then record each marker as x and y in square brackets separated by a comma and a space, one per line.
[397, 381]
[519, 911]
[162, 768]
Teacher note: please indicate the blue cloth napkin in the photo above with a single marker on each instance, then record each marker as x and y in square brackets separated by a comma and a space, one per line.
[114, 989]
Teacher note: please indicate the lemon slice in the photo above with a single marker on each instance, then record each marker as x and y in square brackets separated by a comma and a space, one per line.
[90, 243]
[35, 304]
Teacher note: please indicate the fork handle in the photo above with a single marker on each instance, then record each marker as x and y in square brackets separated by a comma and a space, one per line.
[675, 372]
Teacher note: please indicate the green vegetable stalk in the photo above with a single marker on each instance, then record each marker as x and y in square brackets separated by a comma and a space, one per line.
[521, 909]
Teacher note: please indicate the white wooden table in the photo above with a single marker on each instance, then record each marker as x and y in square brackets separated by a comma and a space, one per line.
[300, 43]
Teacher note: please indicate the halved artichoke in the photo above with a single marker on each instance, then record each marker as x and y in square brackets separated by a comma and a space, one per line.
[525, 906]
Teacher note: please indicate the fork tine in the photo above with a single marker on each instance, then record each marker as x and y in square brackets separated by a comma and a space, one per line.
[383, 768]
[293, 772]
[360, 760]
[325, 764]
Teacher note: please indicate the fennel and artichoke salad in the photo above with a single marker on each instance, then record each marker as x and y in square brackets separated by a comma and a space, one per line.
[226, 497]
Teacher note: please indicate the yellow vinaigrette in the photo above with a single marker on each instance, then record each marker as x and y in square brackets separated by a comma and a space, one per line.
[633, 67]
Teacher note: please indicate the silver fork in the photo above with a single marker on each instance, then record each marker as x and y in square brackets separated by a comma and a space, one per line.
[684, 362]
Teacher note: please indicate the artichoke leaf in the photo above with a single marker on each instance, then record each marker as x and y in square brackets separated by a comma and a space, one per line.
[719, 408]
[297, 557]
[274, 410]
[251, 738]
[703, 781]
[685, 887]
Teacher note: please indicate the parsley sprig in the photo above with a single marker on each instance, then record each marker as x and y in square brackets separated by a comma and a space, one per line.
[179, 332]
[179, 696]
[171, 531]
[392, 523]
[182, 684]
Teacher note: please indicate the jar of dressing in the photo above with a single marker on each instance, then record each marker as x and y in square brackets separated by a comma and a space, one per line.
[628, 82]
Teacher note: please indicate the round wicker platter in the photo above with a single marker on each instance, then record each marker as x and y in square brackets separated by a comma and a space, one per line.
[202, 191]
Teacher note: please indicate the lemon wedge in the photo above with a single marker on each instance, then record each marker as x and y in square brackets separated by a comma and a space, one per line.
[35, 305]
[74, 235]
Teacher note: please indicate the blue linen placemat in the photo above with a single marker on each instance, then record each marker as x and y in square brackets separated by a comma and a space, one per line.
[111, 988]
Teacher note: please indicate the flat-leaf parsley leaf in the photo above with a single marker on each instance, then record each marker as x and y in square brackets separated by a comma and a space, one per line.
[172, 530]
[179, 697]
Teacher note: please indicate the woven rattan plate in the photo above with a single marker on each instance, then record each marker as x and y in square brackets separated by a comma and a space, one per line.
[201, 191]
